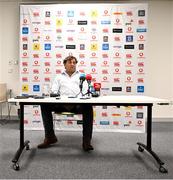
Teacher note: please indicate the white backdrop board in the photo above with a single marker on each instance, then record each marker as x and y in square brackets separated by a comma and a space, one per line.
[109, 41]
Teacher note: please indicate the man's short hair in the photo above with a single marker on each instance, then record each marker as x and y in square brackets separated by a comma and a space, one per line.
[69, 58]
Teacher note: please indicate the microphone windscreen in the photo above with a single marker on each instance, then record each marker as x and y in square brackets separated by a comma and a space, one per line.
[97, 86]
[88, 77]
[82, 77]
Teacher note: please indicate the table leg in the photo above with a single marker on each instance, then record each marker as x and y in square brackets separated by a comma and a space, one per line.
[148, 147]
[22, 143]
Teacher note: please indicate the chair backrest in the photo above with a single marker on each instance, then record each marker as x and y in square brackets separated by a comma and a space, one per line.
[3, 92]
[67, 116]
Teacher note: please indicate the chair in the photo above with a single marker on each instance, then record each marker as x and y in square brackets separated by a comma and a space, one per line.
[3, 98]
[67, 121]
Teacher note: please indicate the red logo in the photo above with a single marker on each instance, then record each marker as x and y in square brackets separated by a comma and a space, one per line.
[104, 114]
[47, 70]
[47, 22]
[58, 71]
[24, 39]
[47, 37]
[82, 13]
[58, 62]
[36, 78]
[141, 37]
[47, 63]
[35, 55]
[129, 63]
[81, 56]
[82, 29]
[25, 21]
[93, 22]
[140, 80]
[128, 72]
[24, 63]
[141, 64]
[105, 30]
[47, 79]
[36, 29]
[93, 79]
[104, 71]
[82, 62]
[58, 30]
[93, 70]
[141, 22]
[105, 63]
[129, 13]
[117, 54]
[35, 71]
[117, 70]
[47, 55]
[24, 79]
[105, 78]
[117, 64]
[129, 78]
[116, 80]
[105, 12]
[117, 20]
[105, 55]
[25, 54]
[116, 38]
[128, 56]
[36, 14]
[141, 70]
[58, 56]
[129, 29]
[93, 54]
[93, 63]
[36, 62]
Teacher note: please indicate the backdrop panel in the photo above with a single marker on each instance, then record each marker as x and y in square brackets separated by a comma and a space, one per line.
[109, 41]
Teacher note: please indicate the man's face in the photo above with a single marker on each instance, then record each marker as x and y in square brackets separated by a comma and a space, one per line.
[70, 66]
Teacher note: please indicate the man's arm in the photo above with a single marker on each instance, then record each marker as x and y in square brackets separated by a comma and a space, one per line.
[55, 86]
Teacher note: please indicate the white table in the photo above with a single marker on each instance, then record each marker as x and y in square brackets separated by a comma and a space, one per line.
[120, 100]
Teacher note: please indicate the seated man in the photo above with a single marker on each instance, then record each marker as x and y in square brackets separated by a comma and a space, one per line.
[67, 83]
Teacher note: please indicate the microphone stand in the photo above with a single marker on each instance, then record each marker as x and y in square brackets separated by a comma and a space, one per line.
[81, 87]
[88, 91]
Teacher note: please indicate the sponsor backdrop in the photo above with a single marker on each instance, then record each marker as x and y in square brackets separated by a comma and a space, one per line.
[109, 41]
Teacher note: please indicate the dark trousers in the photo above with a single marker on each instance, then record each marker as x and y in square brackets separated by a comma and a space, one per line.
[85, 109]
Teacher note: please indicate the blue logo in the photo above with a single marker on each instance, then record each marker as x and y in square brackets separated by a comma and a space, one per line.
[105, 22]
[140, 89]
[105, 46]
[25, 30]
[36, 88]
[104, 122]
[47, 47]
[141, 30]
[129, 38]
[105, 89]
[70, 13]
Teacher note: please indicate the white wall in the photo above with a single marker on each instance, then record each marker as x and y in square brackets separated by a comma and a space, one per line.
[159, 69]
[159, 80]
[0, 43]
[9, 48]
[172, 49]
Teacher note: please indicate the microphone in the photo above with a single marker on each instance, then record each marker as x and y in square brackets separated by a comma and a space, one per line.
[82, 79]
[88, 78]
[97, 87]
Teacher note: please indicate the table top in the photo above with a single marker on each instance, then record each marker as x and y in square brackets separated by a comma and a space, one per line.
[126, 99]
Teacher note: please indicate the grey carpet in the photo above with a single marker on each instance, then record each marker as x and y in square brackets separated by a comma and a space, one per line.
[115, 155]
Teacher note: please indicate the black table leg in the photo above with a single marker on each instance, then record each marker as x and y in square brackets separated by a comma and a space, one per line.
[22, 143]
[148, 147]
